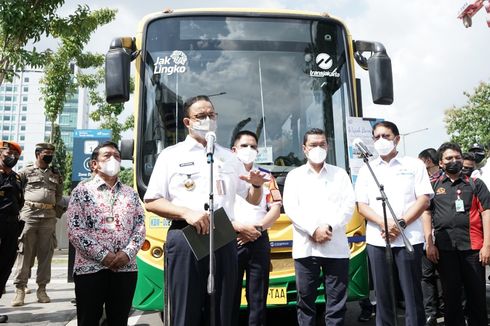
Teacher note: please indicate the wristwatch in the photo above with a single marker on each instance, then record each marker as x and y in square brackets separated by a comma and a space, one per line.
[402, 223]
[259, 228]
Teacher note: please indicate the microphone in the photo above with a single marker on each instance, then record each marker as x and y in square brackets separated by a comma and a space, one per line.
[210, 140]
[362, 147]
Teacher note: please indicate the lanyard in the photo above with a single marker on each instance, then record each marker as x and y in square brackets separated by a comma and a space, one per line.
[112, 199]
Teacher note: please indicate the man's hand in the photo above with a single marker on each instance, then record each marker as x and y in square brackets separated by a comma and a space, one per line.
[322, 233]
[247, 233]
[255, 177]
[393, 231]
[120, 260]
[198, 219]
[485, 255]
[107, 261]
[432, 253]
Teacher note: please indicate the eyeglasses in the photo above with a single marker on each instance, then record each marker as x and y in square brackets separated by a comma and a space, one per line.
[384, 136]
[202, 116]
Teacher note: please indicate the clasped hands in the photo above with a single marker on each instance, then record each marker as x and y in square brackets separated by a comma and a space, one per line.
[322, 234]
[114, 261]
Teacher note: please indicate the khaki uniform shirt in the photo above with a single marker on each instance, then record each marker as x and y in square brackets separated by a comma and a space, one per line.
[41, 187]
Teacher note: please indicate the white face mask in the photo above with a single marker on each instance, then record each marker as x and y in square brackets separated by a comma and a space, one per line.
[110, 167]
[317, 155]
[246, 155]
[201, 127]
[384, 146]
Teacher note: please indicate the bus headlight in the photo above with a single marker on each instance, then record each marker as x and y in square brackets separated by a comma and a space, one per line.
[157, 252]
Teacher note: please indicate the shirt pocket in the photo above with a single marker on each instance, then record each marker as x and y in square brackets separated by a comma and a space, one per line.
[53, 183]
[35, 182]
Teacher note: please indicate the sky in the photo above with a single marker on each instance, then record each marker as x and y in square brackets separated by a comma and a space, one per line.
[434, 57]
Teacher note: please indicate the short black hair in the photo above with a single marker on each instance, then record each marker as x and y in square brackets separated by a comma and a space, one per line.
[387, 124]
[243, 133]
[313, 131]
[188, 103]
[469, 156]
[96, 150]
[429, 153]
[448, 145]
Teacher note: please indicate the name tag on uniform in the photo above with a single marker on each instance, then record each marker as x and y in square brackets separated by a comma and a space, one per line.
[459, 205]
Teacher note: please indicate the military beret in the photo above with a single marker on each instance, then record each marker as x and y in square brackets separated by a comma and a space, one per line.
[45, 146]
[12, 145]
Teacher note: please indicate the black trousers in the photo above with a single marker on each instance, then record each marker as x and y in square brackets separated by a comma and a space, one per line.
[9, 234]
[409, 274]
[254, 261]
[457, 269]
[114, 289]
[430, 287]
[187, 279]
[334, 272]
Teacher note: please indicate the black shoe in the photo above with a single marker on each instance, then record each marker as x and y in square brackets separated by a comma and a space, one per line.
[365, 315]
[3, 319]
[431, 321]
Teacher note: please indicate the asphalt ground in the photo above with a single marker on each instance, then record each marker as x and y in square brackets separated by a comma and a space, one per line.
[60, 311]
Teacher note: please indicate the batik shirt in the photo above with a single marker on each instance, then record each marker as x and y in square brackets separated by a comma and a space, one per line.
[102, 220]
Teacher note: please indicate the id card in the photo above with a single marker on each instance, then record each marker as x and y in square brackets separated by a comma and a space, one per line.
[109, 221]
[459, 205]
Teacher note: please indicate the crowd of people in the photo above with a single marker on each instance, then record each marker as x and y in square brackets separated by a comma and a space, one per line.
[440, 200]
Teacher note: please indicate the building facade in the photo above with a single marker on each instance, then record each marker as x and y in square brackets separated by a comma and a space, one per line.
[22, 116]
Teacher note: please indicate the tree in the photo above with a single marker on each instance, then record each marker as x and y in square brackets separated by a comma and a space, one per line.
[126, 176]
[471, 122]
[59, 81]
[105, 113]
[22, 22]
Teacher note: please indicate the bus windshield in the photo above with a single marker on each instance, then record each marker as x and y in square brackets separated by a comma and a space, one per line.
[274, 76]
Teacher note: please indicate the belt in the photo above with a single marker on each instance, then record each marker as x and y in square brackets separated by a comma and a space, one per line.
[39, 205]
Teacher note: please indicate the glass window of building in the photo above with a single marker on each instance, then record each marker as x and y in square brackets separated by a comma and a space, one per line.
[5, 137]
[6, 127]
[24, 108]
[6, 118]
[22, 137]
[8, 88]
[7, 108]
[26, 79]
[25, 89]
[22, 128]
[8, 98]
[24, 98]
[23, 118]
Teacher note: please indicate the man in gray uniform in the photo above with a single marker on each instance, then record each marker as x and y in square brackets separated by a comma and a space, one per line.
[43, 189]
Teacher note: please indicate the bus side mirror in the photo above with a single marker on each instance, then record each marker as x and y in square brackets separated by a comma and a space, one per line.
[117, 70]
[381, 78]
[379, 67]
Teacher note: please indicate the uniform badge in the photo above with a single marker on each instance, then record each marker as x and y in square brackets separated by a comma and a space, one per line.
[189, 184]
[441, 191]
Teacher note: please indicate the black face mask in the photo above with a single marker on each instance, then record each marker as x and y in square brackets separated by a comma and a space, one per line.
[47, 158]
[454, 167]
[10, 161]
[479, 157]
[467, 171]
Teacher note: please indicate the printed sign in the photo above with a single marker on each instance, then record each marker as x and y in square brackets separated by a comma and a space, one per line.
[84, 143]
[170, 64]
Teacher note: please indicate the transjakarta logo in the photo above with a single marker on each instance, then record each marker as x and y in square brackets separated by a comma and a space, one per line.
[174, 63]
[325, 62]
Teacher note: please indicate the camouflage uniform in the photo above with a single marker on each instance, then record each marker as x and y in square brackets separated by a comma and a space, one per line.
[43, 189]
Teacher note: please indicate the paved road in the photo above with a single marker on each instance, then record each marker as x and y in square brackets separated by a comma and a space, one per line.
[62, 312]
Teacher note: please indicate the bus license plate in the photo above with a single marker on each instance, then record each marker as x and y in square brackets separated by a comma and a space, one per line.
[275, 295]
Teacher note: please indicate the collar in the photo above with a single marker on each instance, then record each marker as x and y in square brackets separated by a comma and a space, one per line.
[100, 183]
[397, 159]
[444, 177]
[309, 168]
[191, 143]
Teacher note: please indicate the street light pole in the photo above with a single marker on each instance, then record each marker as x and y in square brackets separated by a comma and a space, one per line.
[409, 133]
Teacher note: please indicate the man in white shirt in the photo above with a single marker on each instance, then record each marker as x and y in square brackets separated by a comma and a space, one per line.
[251, 223]
[406, 184]
[319, 200]
[178, 190]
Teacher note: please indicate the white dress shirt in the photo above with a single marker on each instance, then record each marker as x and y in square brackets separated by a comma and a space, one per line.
[404, 179]
[247, 213]
[178, 164]
[314, 199]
